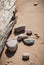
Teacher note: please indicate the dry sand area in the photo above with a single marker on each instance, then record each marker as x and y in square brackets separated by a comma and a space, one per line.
[33, 17]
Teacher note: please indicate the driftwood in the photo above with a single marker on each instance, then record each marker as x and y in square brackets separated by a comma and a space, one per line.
[7, 20]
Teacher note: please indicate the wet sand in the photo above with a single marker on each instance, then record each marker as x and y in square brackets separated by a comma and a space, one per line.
[33, 17]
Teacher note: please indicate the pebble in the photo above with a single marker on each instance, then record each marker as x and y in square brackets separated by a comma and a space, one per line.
[25, 56]
[12, 45]
[21, 37]
[19, 29]
[28, 42]
[35, 4]
[29, 32]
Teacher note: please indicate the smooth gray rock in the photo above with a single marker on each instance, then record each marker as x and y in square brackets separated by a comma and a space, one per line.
[12, 45]
[28, 42]
[19, 29]
[25, 56]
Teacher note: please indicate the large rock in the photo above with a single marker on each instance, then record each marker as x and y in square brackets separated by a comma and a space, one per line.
[28, 42]
[19, 29]
[7, 12]
[12, 45]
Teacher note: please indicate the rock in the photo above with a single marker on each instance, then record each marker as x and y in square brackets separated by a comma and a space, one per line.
[35, 4]
[21, 37]
[29, 32]
[25, 56]
[12, 45]
[19, 29]
[6, 13]
[28, 42]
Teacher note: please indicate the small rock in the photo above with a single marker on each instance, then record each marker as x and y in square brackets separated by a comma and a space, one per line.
[5, 64]
[25, 56]
[12, 45]
[35, 4]
[29, 32]
[19, 29]
[13, 17]
[28, 42]
[21, 37]
[7, 61]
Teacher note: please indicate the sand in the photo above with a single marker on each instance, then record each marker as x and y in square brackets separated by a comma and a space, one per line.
[33, 17]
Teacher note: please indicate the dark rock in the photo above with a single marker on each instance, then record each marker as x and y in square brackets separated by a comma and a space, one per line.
[19, 29]
[37, 36]
[21, 37]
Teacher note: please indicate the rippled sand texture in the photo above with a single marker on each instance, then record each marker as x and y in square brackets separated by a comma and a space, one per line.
[33, 17]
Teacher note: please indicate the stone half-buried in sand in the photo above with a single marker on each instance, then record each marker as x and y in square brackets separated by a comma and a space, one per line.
[29, 32]
[19, 29]
[12, 45]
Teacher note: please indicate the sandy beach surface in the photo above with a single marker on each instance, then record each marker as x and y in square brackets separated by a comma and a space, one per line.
[33, 18]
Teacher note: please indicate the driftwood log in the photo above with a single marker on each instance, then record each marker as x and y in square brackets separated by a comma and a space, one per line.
[7, 20]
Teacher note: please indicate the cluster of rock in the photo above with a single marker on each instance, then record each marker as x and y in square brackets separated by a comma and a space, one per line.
[7, 10]
[7, 16]
[21, 37]
[12, 45]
